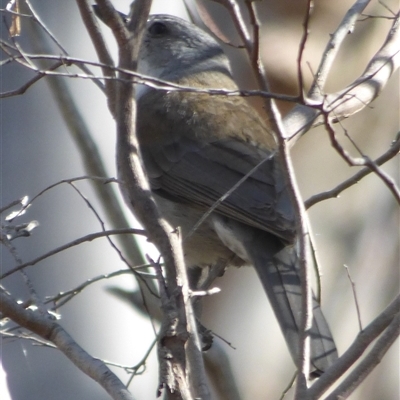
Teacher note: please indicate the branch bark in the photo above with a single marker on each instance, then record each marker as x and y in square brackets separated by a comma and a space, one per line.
[48, 329]
[356, 350]
[367, 365]
[353, 98]
[181, 364]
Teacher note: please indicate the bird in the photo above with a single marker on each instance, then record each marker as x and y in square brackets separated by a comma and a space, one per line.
[197, 148]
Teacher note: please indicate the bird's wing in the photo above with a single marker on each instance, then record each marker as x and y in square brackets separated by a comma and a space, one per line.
[200, 173]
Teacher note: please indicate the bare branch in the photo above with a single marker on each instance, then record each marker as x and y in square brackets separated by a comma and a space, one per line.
[89, 151]
[356, 350]
[180, 374]
[76, 242]
[22, 89]
[335, 192]
[301, 219]
[34, 298]
[333, 46]
[237, 18]
[302, 46]
[35, 18]
[371, 83]
[72, 292]
[356, 96]
[48, 329]
[27, 336]
[367, 365]
[93, 29]
[114, 21]
[152, 82]
[353, 288]
[364, 161]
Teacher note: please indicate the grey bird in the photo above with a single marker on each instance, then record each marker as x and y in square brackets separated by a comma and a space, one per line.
[195, 147]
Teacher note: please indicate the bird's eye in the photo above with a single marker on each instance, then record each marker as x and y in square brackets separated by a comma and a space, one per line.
[158, 29]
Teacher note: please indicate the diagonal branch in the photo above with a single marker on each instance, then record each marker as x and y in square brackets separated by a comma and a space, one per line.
[335, 192]
[88, 150]
[367, 365]
[93, 29]
[356, 96]
[363, 161]
[50, 330]
[76, 242]
[333, 46]
[356, 350]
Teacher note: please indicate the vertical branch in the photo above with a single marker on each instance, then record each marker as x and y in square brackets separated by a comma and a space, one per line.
[181, 364]
[302, 229]
[303, 253]
[302, 46]
[333, 46]
[252, 48]
[93, 29]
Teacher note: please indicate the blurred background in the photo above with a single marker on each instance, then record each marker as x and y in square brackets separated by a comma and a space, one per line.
[359, 229]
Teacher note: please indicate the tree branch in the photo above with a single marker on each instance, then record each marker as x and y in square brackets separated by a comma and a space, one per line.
[102, 51]
[48, 329]
[182, 371]
[353, 98]
[333, 46]
[356, 350]
[335, 192]
[364, 160]
[76, 242]
[366, 366]
[90, 154]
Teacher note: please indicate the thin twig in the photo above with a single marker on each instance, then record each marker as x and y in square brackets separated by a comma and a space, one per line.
[88, 282]
[22, 89]
[301, 219]
[302, 46]
[99, 179]
[22, 201]
[254, 50]
[353, 288]
[207, 213]
[34, 298]
[152, 82]
[34, 16]
[112, 244]
[335, 192]
[76, 242]
[26, 336]
[364, 161]
[142, 362]
[233, 8]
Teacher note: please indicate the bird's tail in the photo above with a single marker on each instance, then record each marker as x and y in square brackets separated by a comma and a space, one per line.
[279, 275]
